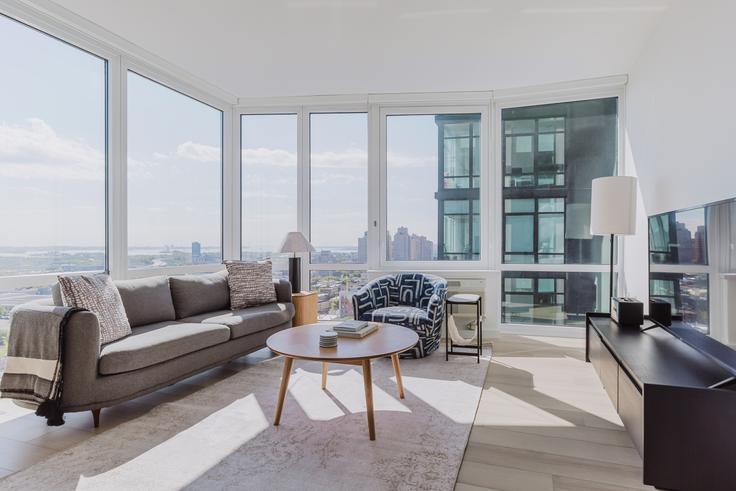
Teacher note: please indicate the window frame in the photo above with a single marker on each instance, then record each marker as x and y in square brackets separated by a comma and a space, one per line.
[381, 225]
[517, 99]
[73, 39]
[226, 165]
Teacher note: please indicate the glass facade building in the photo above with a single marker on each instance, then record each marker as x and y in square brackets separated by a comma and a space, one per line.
[550, 155]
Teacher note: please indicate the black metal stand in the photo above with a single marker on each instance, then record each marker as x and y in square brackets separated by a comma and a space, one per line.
[295, 274]
[449, 345]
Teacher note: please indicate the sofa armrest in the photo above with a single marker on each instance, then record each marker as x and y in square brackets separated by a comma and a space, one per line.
[81, 356]
[283, 290]
[362, 301]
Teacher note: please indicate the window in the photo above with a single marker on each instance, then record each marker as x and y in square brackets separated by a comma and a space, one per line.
[550, 155]
[433, 169]
[552, 298]
[681, 259]
[338, 169]
[174, 183]
[269, 186]
[687, 293]
[52, 155]
[335, 291]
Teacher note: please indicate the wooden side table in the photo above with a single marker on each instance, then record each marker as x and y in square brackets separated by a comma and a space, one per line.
[305, 304]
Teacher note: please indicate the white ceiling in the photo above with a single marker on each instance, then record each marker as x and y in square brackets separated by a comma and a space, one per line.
[254, 48]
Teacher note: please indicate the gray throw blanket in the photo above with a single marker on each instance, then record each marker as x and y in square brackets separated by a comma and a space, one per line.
[33, 371]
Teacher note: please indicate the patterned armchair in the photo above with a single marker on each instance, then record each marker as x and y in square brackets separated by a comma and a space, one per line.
[412, 300]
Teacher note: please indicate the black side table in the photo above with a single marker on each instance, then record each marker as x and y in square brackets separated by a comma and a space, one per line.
[450, 346]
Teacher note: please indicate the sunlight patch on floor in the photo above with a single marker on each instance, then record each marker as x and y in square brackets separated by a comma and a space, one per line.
[344, 387]
[508, 410]
[449, 397]
[180, 460]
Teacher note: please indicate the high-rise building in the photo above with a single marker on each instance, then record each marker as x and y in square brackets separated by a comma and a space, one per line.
[458, 187]
[363, 248]
[196, 252]
[400, 245]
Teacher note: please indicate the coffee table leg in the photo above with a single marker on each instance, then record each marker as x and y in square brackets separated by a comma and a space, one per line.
[368, 382]
[282, 390]
[324, 375]
[397, 372]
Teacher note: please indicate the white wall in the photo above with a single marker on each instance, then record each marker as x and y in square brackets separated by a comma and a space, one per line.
[681, 120]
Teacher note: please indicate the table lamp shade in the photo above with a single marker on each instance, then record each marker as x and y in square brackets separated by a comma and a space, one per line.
[613, 206]
[296, 242]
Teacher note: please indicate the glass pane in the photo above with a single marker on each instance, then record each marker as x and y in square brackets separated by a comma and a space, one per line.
[52, 154]
[457, 156]
[419, 155]
[519, 233]
[177, 141]
[269, 186]
[339, 186]
[679, 237]
[457, 206]
[687, 293]
[335, 292]
[457, 229]
[567, 145]
[519, 205]
[555, 299]
[518, 126]
[551, 204]
[551, 233]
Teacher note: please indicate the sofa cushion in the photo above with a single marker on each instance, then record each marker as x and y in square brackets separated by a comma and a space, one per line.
[97, 293]
[251, 283]
[147, 300]
[199, 293]
[157, 343]
[250, 320]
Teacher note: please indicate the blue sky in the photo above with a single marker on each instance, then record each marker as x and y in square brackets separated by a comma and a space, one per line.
[52, 160]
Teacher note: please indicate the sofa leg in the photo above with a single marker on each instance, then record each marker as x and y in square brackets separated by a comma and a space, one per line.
[96, 417]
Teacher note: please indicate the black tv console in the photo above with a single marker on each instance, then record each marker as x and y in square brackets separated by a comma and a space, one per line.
[675, 391]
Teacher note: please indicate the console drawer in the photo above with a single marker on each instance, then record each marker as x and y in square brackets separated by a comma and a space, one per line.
[609, 374]
[631, 409]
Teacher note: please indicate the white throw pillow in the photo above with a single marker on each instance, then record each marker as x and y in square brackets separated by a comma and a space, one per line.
[98, 294]
[251, 283]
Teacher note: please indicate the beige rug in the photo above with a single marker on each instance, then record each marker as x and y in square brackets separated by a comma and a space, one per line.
[221, 437]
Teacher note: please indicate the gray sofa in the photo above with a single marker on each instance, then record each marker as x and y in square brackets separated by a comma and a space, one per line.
[181, 325]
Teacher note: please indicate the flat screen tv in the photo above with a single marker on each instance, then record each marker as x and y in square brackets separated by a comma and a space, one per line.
[692, 264]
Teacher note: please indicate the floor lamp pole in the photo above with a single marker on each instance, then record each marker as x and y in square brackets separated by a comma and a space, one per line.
[610, 279]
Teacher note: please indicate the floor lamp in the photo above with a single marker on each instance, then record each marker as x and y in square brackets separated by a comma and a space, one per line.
[295, 242]
[613, 211]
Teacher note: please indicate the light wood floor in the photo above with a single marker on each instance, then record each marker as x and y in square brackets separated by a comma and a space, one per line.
[544, 422]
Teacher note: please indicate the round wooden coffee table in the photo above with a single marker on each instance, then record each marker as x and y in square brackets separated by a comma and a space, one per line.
[302, 343]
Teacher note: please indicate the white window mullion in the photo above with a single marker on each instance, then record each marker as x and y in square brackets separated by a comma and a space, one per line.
[303, 196]
[230, 213]
[117, 169]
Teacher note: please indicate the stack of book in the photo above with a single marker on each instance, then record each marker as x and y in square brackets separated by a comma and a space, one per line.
[355, 329]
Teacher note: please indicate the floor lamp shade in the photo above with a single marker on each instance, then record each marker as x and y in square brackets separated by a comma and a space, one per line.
[613, 211]
[613, 206]
[295, 242]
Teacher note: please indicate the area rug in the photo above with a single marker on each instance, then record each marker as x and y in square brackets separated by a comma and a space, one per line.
[221, 436]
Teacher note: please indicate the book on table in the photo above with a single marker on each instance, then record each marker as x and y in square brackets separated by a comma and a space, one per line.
[350, 326]
[369, 328]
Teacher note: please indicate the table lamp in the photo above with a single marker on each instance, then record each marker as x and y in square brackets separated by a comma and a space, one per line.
[613, 210]
[295, 242]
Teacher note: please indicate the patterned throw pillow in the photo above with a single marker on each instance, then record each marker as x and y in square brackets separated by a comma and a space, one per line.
[251, 283]
[98, 294]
